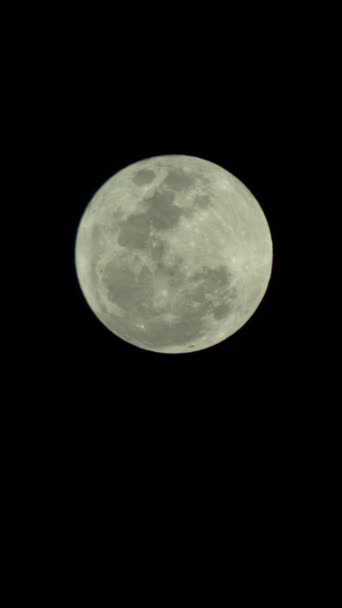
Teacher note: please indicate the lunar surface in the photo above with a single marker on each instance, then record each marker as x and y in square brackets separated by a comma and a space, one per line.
[173, 254]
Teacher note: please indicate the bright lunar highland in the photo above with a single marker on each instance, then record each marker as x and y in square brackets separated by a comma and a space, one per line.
[173, 254]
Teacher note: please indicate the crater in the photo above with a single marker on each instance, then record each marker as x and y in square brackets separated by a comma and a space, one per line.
[144, 176]
[178, 180]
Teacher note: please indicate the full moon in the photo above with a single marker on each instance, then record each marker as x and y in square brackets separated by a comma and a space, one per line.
[173, 254]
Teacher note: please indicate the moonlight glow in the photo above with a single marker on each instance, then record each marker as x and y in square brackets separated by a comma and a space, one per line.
[173, 254]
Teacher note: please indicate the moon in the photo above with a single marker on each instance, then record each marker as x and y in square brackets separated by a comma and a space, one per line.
[173, 254]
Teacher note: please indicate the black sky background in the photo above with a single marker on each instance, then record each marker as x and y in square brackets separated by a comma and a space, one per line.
[123, 460]
[109, 421]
